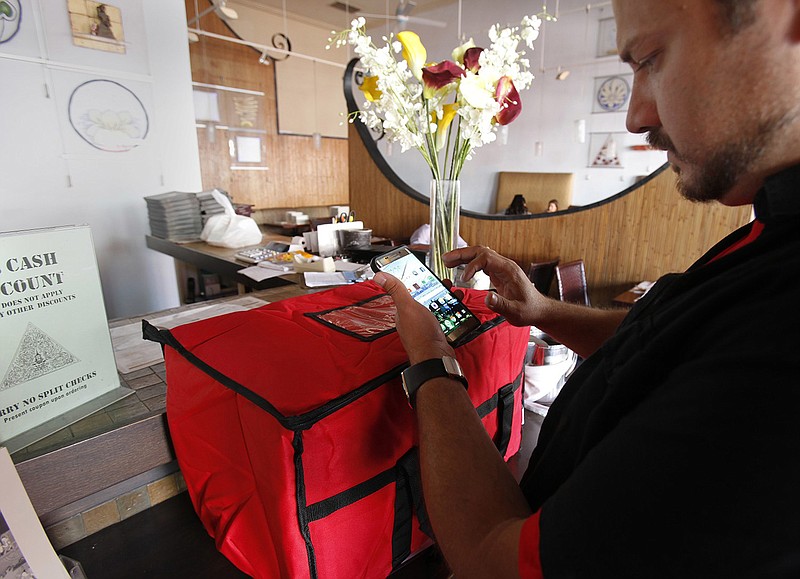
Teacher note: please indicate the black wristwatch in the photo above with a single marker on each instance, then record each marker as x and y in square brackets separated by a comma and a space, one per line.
[416, 375]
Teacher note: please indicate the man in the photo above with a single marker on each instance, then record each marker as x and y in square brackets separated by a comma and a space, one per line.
[673, 449]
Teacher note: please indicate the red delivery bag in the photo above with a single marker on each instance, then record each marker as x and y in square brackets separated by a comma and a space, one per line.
[294, 435]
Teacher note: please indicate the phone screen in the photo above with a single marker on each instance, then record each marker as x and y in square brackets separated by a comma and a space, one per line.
[453, 316]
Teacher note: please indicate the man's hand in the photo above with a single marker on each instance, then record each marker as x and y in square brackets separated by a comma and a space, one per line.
[579, 328]
[516, 298]
[419, 331]
[476, 507]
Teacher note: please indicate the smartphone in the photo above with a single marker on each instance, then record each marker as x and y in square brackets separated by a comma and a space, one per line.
[454, 317]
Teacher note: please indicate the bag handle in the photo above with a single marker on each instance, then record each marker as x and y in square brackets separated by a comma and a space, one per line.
[408, 501]
[503, 401]
[223, 200]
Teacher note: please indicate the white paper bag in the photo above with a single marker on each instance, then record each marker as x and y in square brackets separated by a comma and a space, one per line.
[230, 230]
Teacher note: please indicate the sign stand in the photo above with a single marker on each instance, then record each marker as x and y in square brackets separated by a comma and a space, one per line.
[56, 359]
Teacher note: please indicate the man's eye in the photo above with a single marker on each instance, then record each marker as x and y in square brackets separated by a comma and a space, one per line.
[646, 63]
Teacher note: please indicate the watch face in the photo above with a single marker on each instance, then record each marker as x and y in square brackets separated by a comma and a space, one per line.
[613, 93]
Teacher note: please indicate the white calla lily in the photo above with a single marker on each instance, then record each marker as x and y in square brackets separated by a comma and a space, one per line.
[456, 113]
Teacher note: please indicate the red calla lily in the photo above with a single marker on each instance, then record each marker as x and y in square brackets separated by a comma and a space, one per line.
[510, 104]
[440, 75]
[471, 59]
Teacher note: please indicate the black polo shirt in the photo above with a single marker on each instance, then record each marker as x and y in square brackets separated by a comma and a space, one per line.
[674, 451]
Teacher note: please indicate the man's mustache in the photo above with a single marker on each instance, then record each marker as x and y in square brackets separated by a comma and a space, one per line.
[658, 139]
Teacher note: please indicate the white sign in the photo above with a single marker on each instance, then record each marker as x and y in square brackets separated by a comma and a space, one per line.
[56, 358]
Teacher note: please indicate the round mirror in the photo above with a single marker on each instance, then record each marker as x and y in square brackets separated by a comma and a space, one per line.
[572, 125]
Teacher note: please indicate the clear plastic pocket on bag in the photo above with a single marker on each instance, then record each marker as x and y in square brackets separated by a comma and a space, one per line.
[367, 320]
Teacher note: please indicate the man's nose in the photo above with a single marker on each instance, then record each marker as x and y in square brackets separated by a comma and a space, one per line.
[642, 110]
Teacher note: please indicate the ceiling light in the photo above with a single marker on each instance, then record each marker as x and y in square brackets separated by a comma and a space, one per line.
[225, 12]
[220, 9]
[561, 74]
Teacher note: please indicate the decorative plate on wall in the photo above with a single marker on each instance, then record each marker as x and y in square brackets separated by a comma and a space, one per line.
[108, 116]
[611, 94]
[10, 17]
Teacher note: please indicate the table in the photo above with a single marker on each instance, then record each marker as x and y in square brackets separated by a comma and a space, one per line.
[217, 260]
[626, 298]
[291, 228]
[634, 294]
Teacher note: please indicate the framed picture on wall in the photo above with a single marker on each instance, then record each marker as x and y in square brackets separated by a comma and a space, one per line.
[607, 37]
[96, 25]
[248, 149]
[72, 30]
[605, 150]
[246, 122]
[206, 106]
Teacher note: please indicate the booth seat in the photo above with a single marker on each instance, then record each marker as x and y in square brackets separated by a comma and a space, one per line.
[537, 188]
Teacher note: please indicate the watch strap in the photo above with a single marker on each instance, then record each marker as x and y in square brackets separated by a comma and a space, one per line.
[416, 375]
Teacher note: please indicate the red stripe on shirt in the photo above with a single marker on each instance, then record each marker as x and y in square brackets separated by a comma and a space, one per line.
[755, 231]
[530, 565]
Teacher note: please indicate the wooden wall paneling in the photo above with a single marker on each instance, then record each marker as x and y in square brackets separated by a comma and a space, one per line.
[639, 236]
[223, 63]
[298, 175]
[383, 208]
[331, 170]
[309, 176]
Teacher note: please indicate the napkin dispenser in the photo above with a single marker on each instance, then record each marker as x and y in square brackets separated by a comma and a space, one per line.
[325, 265]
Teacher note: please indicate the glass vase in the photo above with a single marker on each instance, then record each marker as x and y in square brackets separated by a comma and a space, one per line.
[445, 198]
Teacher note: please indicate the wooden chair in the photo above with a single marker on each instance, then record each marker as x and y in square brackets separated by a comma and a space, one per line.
[541, 275]
[572, 282]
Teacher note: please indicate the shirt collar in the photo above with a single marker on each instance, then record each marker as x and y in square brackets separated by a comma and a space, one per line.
[779, 198]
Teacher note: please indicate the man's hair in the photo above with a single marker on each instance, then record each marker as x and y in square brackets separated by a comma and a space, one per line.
[737, 14]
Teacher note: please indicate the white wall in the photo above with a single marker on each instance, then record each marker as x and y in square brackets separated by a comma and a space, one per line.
[550, 107]
[49, 176]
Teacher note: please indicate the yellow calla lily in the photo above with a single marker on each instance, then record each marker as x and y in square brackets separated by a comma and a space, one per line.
[370, 88]
[448, 114]
[458, 52]
[414, 52]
